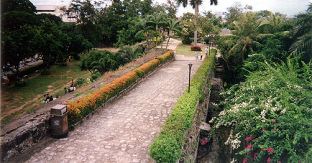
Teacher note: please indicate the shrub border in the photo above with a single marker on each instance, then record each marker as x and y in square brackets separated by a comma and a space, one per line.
[167, 147]
[82, 107]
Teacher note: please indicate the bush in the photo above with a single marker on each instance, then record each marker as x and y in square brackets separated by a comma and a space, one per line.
[195, 48]
[83, 106]
[101, 61]
[95, 75]
[128, 53]
[79, 82]
[167, 146]
[186, 41]
[270, 114]
[165, 149]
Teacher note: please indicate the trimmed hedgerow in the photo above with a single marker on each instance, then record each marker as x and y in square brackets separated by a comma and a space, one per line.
[167, 147]
[81, 107]
[195, 48]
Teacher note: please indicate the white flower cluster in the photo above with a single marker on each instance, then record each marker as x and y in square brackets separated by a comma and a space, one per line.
[212, 120]
[263, 112]
[234, 141]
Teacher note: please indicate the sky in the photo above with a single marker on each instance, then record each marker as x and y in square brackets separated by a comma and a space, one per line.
[288, 7]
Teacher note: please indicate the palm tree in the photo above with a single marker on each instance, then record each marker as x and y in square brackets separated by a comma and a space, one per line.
[156, 20]
[173, 26]
[146, 30]
[244, 35]
[273, 22]
[303, 35]
[195, 4]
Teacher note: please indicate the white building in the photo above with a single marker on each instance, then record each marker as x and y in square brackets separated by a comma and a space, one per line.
[54, 7]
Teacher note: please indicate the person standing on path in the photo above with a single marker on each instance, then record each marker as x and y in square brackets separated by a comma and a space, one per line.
[196, 56]
[206, 51]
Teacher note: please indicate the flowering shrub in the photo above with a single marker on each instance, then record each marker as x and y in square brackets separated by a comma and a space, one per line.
[195, 48]
[167, 146]
[83, 106]
[270, 114]
[163, 58]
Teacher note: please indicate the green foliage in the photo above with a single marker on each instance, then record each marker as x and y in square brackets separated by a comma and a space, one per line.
[302, 35]
[54, 43]
[187, 41]
[96, 74]
[129, 36]
[80, 82]
[167, 146]
[165, 149]
[128, 53]
[273, 106]
[101, 61]
[17, 5]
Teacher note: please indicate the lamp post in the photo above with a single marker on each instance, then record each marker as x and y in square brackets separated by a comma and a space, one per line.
[190, 67]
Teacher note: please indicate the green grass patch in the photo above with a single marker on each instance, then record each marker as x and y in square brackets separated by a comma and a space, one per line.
[167, 147]
[184, 50]
[36, 87]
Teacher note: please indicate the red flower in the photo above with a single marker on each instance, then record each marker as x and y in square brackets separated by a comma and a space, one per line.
[249, 146]
[269, 160]
[245, 160]
[274, 129]
[270, 150]
[255, 139]
[273, 120]
[248, 138]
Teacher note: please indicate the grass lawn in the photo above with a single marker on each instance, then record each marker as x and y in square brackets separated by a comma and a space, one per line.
[16, 101]
[185, 50]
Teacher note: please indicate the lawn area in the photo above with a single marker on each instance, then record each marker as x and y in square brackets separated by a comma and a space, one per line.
[184, 50]
[18, 100]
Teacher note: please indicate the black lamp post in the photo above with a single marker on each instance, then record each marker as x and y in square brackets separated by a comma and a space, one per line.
[190, 67]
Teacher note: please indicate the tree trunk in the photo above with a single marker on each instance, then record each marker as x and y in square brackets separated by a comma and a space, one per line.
[195, 24]
[161, 36]
[168, 42]
[156, 35]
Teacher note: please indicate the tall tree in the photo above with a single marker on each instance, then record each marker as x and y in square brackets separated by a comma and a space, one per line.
[302, 35]
[18, 32]
[195, 4]
[54, 43]
[145, 30]
[173, 26]
[157, 20]
[244, 36]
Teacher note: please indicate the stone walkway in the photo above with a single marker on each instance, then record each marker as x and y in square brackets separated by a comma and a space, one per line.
[123, 131]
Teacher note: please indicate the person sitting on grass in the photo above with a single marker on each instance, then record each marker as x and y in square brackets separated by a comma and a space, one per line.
[71, 88]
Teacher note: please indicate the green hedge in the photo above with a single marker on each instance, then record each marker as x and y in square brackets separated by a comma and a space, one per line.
[167, 147]
[81, 107]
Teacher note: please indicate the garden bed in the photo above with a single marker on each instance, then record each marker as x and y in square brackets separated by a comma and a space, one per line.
[167, 147]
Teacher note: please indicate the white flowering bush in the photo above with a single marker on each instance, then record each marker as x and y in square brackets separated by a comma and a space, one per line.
[270, 114]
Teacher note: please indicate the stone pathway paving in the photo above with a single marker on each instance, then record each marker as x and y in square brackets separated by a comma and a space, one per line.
[123, 131]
